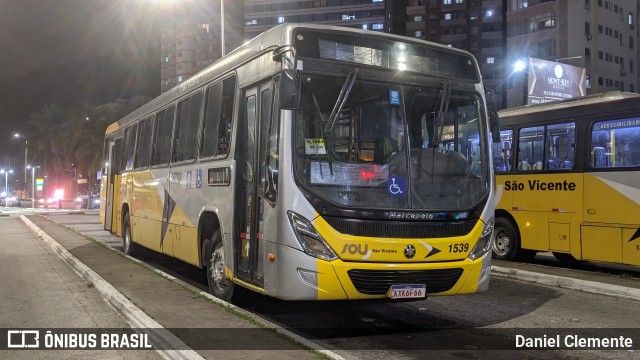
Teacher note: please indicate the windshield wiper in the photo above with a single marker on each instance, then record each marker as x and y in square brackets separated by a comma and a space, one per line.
[342, 99]
[438, 125]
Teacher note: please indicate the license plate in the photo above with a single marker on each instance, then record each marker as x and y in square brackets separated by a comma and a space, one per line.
[408, 291]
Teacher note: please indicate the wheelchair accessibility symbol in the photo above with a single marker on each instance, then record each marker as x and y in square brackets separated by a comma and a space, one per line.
[396, 185]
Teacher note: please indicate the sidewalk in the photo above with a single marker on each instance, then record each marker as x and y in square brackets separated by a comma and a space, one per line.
[589, 281]
[214, 330]
[40, 291]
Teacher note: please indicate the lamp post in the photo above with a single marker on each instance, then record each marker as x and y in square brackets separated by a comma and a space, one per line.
[6, 184]
[33, 185]
[222, 24]
[18, 136]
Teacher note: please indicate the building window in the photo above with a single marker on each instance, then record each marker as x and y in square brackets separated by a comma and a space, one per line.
[252, 22]
[447, 16]
[587, 4]
[365, 26]
[377, 26]
[180, 78]
[459, 1]
[489, 13]
[417, 18]
[166, 59]
[600, 81]
[418, 33]
[280, 19]
[491, 60]
[600, 54]
[630, 42]
[446, 2]
[599, 29]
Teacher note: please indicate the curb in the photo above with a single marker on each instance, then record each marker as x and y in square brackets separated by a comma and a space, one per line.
[72, 262]
[567, 283]
[168, 343]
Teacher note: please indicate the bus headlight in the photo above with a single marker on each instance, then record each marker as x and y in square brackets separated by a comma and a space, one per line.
[312, 243]
[484, 243]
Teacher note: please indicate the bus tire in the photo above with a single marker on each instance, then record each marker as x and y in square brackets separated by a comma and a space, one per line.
[214, 261]
[505, 241]
[128, 247]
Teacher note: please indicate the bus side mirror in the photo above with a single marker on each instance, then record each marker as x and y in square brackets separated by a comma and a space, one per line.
[289, 89]
[494, 124]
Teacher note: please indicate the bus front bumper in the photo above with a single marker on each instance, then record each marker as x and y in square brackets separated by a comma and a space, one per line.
[295, 275]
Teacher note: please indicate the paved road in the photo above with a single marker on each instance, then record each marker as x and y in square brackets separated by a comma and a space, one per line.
[380, 330]
[404, 330]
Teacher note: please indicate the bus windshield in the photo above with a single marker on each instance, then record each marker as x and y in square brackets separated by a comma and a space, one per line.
[390, 146]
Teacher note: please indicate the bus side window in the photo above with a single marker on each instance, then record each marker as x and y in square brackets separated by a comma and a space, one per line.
[145, 142]
[187, 119]
[614, 143]
[217, 123]
[502, 152]
[162, 137]
[531, 148]
[560, 146]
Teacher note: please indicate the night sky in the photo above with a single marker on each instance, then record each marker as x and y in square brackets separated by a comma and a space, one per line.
[42, 33]
[36, 34]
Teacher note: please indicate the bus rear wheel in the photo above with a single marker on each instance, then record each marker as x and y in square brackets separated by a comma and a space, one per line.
[505, 241]
[214, 260]
[129, 248]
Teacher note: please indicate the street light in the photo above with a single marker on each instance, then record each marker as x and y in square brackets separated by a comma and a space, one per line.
[33, 184]
[6, 184]
[18, 136]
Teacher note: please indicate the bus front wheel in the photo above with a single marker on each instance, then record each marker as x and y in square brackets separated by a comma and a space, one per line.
[505, 242]
[219, 285]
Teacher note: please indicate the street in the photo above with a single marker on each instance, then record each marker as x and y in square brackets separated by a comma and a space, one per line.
[359, 330]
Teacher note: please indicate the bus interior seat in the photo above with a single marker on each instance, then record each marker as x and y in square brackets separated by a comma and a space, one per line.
[434, 162]
[566, 164]
[524, 165]
[552, 165]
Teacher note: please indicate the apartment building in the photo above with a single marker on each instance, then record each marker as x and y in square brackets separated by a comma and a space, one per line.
[261, 15]
[473, 25]
[599, 35]
[191, 36]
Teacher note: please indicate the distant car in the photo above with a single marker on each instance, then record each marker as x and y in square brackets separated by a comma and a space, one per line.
[10, 200]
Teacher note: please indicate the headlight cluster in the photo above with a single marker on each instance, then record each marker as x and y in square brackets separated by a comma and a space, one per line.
[312, 243]
[484, 243]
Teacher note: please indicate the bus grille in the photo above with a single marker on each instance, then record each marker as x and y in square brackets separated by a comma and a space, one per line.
[377, 282]
[401, 229]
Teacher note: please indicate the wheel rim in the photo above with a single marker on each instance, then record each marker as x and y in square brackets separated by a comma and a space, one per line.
[501, 242]
[216, 269]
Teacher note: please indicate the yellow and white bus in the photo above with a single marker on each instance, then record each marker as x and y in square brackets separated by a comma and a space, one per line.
[568, 180]
[314, 163]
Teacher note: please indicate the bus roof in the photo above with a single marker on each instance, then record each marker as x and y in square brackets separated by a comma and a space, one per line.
[561, 104]
[276, 36]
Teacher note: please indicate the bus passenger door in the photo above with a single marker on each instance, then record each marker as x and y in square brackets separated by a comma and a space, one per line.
[252, 207]
[113, 169]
